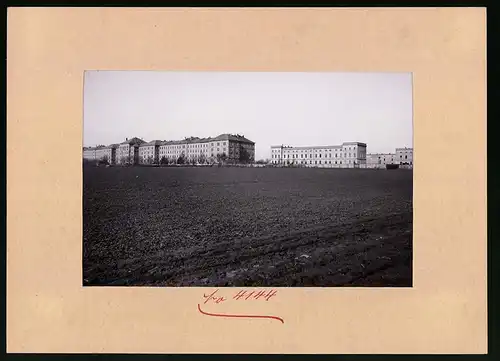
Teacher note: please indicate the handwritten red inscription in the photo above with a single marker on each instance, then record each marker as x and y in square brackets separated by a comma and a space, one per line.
[242, 295]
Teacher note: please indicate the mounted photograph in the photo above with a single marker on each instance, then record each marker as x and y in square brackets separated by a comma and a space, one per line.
[255, 179]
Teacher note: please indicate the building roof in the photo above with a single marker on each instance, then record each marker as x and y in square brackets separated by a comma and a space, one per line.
[354, 143]
[234, 137]
[133, 141]
[95, 148]
[189, 140]
[404, 149]
[320, 146]
[153, 142]
[305, 147]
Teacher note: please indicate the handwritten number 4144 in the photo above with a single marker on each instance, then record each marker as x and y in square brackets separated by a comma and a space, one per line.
[241, 295]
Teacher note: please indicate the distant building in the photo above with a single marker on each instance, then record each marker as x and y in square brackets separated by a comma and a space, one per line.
[380, 160]
[230, 148]
[149, 153]
[101, 152]
[403, 157]
[347, 155]
[128, 151]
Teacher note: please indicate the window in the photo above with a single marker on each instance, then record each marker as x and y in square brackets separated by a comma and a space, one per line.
[315, 162]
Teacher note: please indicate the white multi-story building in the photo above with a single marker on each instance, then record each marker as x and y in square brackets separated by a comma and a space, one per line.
[347, 155]
[128, 151]
[101, 152]
[230, 148]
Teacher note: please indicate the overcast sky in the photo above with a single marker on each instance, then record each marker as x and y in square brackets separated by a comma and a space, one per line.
[296, 109]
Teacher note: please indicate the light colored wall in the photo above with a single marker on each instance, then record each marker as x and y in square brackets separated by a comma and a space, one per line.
[174, 151]
[122, 152]
[146, 154]
[193, 150]
[97, 154]
[379, 160]
[404, 155]
[344, 156]
[89, 154]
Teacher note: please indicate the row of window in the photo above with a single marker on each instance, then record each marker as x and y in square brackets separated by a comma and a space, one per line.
[304, 155]
[278, 150]
[182, 146]
[305, 150]
[205, 146]
[164, 152]
[325, 162]
[177, 155]
[296, 156]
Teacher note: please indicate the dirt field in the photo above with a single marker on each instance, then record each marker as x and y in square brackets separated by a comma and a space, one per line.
[247, 227]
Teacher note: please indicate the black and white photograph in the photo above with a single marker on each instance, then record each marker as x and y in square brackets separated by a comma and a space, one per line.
[247, 179]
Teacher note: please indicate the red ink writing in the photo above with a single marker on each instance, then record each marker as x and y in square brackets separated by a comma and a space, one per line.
[241, 295]
[238, 316]
[247, 295]
[213, 298]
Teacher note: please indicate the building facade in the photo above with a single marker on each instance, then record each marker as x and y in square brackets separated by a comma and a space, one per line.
[149, 153]
[101, 152]
[128, 151]
[402, 157]
[228, 148]
[380, 160]
[347, 155]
